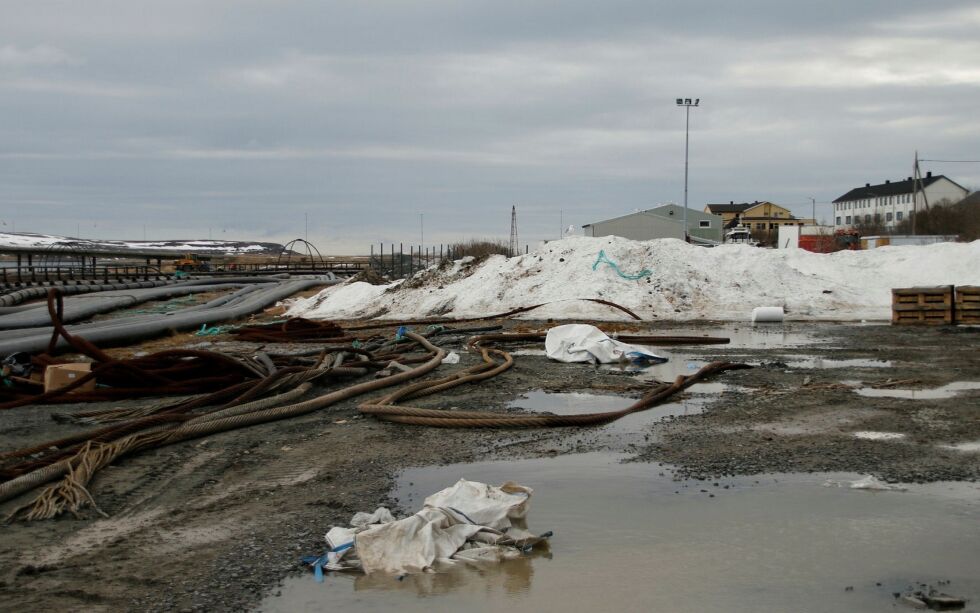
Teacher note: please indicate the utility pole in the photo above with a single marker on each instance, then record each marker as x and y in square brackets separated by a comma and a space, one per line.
[813, 209]
[687, 104]
[513, 231]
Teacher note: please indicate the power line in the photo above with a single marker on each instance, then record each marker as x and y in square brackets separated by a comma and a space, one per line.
[952, 161]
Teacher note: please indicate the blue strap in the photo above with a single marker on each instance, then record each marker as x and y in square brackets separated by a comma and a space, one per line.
[602, 259]
[318, 562]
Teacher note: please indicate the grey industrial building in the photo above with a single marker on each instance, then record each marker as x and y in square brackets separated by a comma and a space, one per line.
[665, 221]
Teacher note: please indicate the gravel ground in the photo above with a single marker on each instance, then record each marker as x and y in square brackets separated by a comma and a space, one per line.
[216, 523]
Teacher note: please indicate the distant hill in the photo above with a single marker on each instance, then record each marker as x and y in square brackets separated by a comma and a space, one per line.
[24, 240]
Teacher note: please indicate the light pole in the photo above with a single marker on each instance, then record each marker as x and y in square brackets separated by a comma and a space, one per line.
[687, 104]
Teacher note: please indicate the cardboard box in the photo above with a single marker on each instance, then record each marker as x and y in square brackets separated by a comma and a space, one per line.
[59, 375]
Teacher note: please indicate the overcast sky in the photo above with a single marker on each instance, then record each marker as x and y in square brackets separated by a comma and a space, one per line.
[238, 118]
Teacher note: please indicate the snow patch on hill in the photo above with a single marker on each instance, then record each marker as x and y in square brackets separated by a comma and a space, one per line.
[27, 239]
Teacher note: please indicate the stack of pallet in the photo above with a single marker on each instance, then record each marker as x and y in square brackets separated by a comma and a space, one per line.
[929, 306]
[936, 306]
[966, 308]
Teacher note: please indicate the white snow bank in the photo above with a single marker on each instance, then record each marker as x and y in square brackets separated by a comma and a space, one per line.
[686, 282]
[345, 301]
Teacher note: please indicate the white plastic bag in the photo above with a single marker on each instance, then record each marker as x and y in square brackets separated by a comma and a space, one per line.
[585, 343]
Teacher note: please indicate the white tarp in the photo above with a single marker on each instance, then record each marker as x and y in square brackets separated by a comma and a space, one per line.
[585, 343]
[468, 522]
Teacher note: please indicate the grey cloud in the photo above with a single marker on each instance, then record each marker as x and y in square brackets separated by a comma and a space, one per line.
[241, 117]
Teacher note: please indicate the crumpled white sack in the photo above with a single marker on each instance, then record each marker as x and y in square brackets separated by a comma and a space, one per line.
[452, 358]
[469, 522]
[413, 544]
[585, 343]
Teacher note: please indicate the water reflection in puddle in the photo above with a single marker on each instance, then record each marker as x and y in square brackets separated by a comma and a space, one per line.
[745, 336]
[968, 447]
[870, 435]
[824, 363]
[946, 391]
[624, 540]
[570, 403]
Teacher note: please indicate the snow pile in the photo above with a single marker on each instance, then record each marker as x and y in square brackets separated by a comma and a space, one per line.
[686, 282]
[345, 301]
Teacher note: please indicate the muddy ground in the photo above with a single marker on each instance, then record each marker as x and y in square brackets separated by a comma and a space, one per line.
[216, 523]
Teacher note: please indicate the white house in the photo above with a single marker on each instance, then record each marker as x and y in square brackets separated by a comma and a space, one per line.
[890, 203]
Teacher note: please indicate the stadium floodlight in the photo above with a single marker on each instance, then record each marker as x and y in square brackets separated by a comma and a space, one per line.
[687, 104]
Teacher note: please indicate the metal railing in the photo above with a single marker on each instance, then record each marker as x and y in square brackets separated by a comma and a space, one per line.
[398, 264]
[37, 274]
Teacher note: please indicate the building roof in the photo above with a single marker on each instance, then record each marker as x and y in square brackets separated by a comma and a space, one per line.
[971, 200]
[731, 207]
[654, 212]
[889, 188]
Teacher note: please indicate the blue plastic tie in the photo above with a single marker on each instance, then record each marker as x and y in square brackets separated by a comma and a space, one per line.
[602, 259]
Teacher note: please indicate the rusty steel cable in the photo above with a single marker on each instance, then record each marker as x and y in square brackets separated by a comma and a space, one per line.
[386, 409]
[71, 494]
[171, 372]
[52, 451]
[293, 330]
[509, 337]
[518, 311]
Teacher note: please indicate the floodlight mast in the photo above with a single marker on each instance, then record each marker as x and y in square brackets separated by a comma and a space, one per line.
[687, 104]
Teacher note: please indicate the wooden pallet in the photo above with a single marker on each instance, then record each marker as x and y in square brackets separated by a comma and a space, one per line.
[928, 306]
[967, 305]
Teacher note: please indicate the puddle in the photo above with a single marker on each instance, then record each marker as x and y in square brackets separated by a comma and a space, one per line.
[677, 364]
[624, 540]
[879, 436]
[970, 447]
[823, 363]
[946, 391]
[573, 402]
[745, 336]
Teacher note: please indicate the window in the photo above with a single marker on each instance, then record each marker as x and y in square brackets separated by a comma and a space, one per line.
[838, 220]
[847, 220]
[877, 217]
[898, 216]
[760, 226]
[772, 226]
[704, 223]
[867, 218]
[888, 216]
